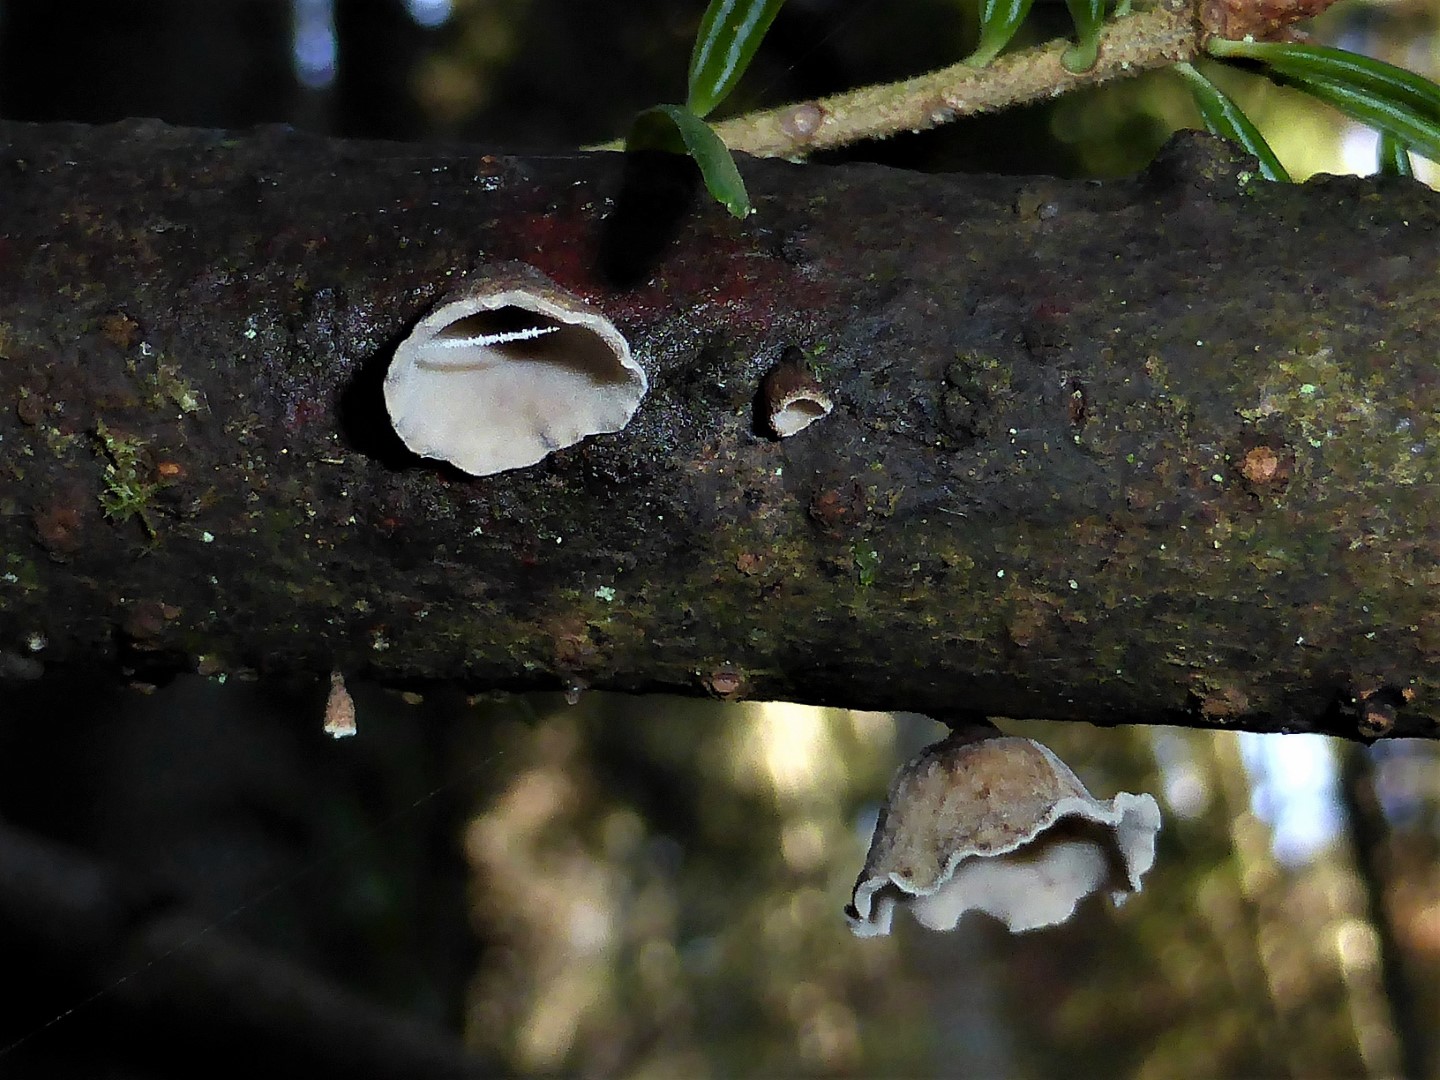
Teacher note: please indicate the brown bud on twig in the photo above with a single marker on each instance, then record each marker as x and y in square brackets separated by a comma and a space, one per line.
[1262, 20]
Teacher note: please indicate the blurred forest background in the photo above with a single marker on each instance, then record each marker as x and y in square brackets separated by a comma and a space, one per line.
[608, 886]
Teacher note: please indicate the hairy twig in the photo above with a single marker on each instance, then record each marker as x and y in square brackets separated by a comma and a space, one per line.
[1140, 42]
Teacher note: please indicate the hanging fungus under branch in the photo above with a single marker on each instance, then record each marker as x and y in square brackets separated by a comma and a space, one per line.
[988, 822]
[507, 369]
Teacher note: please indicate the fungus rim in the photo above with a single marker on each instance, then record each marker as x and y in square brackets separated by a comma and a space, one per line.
[793, 398]
[475, 409]
[1115, 859]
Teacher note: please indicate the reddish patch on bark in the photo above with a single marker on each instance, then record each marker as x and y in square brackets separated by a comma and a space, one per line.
[554, 245]
[1224, 703]
[1375, 706]
[732, 274]
[58, 527]
[749, 563]
[144, 622]
[574, 650]
[726, 682]
[1031, 622]
[832, 508]
[119, 329]
[1267, 467]
[1377, 719]
[304, 412]
[1046, 333]
[29, 407]
[1261, 464]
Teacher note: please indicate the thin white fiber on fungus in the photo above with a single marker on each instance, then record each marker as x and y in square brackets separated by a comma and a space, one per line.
[987, 822]
[507, 369]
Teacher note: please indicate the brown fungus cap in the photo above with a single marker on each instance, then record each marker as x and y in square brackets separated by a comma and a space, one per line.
[339, 709]
[506, 369]
[792, 399]
[988, 822]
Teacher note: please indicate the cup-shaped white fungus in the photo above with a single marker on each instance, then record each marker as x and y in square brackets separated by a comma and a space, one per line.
[507, 369]
[988, 822]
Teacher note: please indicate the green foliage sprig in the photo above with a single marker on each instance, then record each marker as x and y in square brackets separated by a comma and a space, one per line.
[1223, 117]
[1404, 108]
[1392, 158]
[730, 32]
[678, 130]
[1089, 17]
[999, 20]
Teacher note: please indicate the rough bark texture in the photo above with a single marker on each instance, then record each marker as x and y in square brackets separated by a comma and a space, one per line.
[1157, 450]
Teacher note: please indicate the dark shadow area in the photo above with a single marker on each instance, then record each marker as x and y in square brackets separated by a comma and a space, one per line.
[657, 192]
[221, 63]
[364, 422]
[204, 877]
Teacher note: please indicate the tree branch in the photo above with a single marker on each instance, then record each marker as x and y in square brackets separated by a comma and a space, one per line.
[1156, 450]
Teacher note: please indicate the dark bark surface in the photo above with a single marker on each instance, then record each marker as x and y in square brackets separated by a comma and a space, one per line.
[1155, 450]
